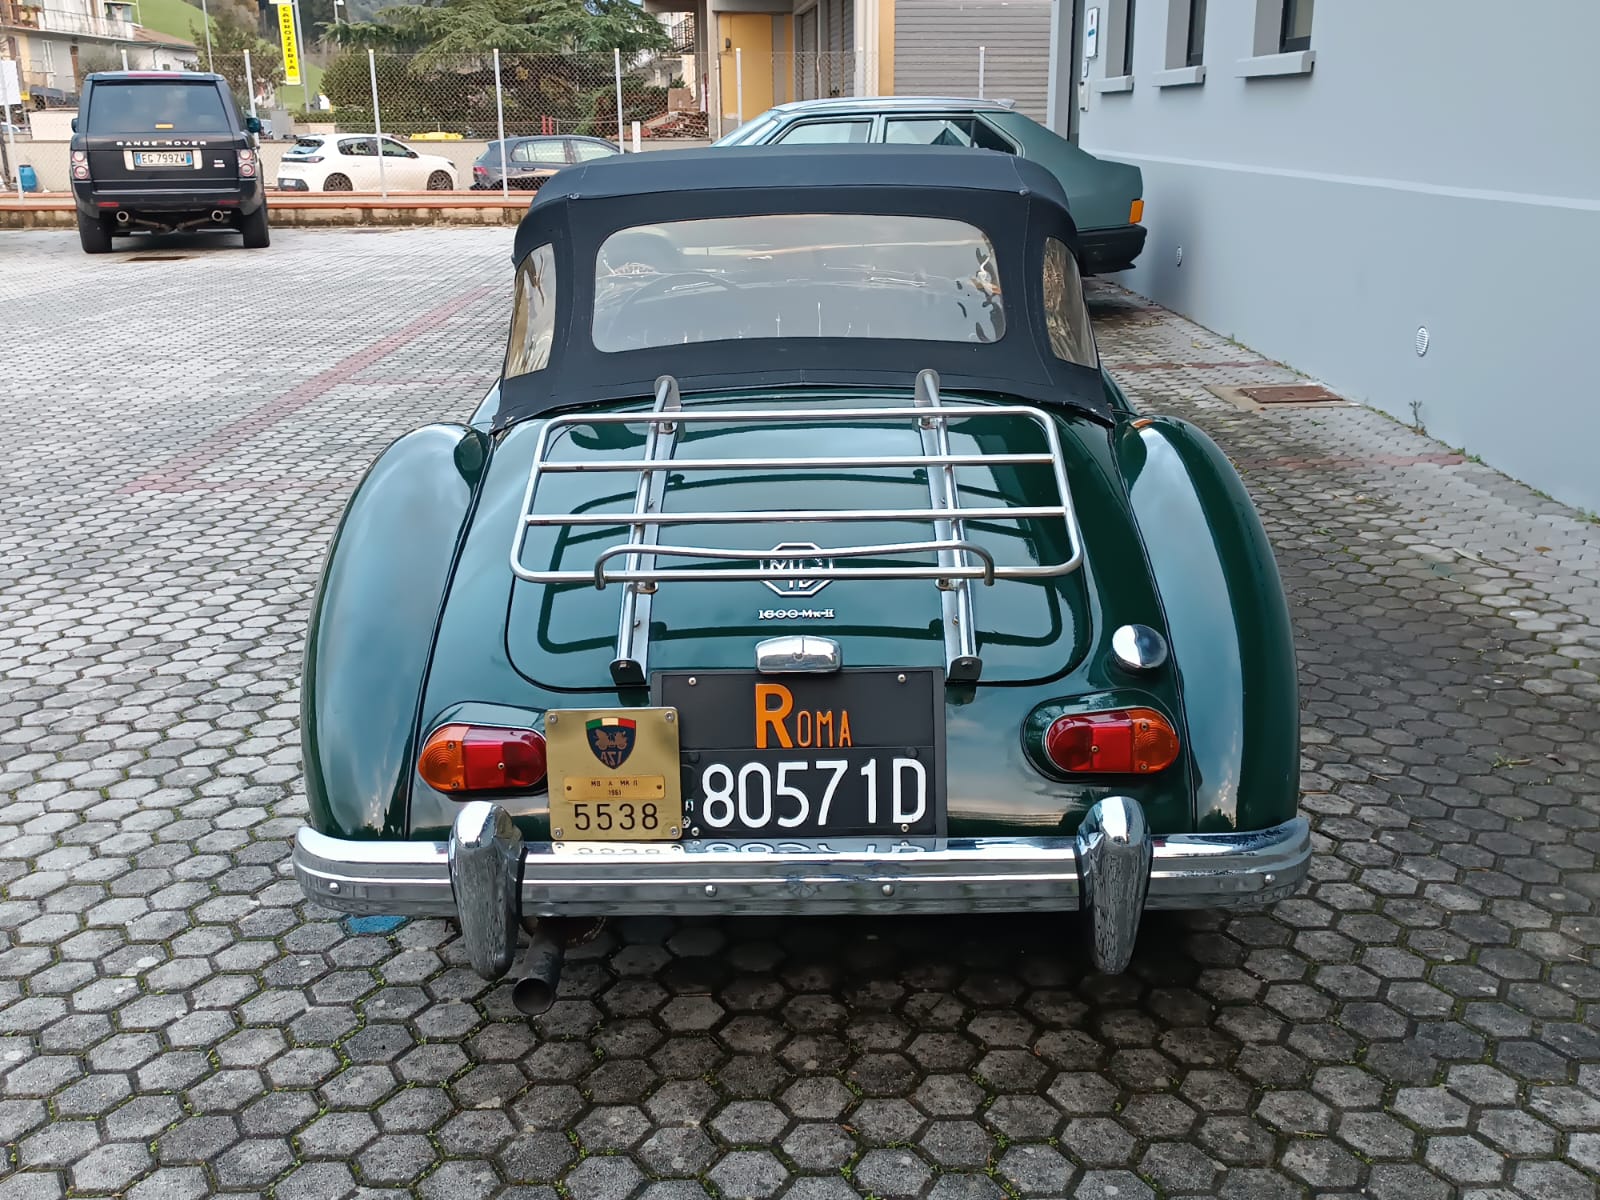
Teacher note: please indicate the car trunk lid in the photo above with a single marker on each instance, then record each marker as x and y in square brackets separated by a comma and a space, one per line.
[160, 133]
[565, 635]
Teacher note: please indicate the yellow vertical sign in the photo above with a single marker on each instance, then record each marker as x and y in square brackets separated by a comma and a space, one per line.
[291, 54]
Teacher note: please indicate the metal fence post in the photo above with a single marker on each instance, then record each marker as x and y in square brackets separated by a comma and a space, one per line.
[738, 86]
[621, 138]
[636, 146]
[981, 53]
[249, 83]
[300, 57]
[500, 127]
[124, 60]
[377, 123]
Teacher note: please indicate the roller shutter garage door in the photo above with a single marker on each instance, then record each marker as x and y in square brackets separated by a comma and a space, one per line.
[936, 50]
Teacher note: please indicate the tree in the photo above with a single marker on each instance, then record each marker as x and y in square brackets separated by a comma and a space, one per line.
[434, 64]
[233, 31]
[446, 28]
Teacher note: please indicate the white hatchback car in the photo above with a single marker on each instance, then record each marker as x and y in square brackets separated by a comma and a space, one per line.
[338, 162]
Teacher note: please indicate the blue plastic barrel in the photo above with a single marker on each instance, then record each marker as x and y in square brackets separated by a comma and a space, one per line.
[28, 177]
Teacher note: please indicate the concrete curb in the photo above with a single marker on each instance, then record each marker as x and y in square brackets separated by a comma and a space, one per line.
[55, 210]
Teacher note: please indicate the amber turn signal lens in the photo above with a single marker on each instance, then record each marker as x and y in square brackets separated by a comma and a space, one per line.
[475, 758]
[1135, 212]
[1131, 741]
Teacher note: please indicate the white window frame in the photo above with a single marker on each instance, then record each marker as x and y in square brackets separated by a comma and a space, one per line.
[1269, 60]
[1116, 37]
[1180, 72]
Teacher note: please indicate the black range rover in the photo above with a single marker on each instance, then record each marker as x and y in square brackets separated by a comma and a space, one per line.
[161, 151]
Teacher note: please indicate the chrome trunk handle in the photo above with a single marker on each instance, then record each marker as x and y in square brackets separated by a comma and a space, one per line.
[798, 654]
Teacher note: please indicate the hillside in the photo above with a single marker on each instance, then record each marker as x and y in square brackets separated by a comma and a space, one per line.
[178, 18]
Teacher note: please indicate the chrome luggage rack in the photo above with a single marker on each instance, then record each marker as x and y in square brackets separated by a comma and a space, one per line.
[959, 561]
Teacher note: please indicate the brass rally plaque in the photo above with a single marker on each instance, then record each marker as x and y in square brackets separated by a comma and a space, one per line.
[614, 775]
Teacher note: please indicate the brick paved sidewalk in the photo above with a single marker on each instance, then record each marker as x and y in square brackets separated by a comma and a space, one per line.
[1423, 1020]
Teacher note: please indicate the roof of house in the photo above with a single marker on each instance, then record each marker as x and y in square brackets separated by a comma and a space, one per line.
[157, 38]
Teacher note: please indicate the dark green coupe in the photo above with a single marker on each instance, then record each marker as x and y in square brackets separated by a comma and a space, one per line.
[804, 560]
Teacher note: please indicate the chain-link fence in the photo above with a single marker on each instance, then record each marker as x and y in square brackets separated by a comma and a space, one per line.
[467, 114]
[467, 109]
[472, 96]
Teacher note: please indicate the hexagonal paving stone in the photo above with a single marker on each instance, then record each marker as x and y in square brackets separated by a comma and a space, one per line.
[176, 1020]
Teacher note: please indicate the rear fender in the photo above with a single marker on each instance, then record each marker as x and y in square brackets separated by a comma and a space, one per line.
[1227, 619]
[373, 625]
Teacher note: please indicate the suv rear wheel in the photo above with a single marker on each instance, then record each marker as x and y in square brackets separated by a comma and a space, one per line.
[254, 227]
[94, 233]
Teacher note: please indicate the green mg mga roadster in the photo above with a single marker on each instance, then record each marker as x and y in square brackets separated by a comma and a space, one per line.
[803, 560]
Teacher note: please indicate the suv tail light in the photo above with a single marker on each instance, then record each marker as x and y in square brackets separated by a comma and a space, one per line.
[79, 156]
[479, 758]
[247, 163]
[1130, 741]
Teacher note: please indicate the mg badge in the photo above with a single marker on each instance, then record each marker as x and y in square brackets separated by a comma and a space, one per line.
[793, 556]
[611, 739]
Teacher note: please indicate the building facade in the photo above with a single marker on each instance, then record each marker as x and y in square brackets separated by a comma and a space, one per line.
[752, 54]
[56, 42]
[1400, 199]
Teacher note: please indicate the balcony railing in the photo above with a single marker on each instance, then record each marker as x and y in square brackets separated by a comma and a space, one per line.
[60, 20]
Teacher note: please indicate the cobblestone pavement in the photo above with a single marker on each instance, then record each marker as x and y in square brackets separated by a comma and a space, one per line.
[1422, 1020]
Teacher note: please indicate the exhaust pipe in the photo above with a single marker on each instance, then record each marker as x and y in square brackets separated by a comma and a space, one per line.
[123, 217]
[218, 217]
[540, 973]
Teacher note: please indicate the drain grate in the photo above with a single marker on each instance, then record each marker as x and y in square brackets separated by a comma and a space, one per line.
[1291, 394]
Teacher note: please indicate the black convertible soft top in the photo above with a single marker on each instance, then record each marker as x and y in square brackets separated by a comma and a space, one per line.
[1016, 203]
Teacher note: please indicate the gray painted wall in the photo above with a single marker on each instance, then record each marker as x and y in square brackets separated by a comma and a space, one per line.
[1439, 166]
[936, 49]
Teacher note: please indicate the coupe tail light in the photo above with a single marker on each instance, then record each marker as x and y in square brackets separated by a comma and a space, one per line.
[478, 758]
[1130, 741]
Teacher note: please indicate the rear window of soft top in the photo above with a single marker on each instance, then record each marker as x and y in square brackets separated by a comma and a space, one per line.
[157, 106]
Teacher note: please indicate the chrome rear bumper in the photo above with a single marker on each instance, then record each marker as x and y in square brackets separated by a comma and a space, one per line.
[1113, 870]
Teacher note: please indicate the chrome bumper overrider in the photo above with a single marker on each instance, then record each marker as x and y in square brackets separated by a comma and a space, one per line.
[487, 877]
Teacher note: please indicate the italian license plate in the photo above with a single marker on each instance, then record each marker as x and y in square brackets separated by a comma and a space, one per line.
[163, 158]
[853, 753]
[614, 775]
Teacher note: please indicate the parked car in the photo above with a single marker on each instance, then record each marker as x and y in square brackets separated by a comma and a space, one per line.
[342, 162]
[163, 151]
[526, 162]
[1106, 198]
[902, 607]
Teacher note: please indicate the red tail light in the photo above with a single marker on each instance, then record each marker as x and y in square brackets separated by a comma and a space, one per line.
[480, 172]
[1130, 741]
[478, 758]
[247, 163]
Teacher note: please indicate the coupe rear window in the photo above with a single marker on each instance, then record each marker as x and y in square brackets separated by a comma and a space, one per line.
[157, 107]
[832, 275]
